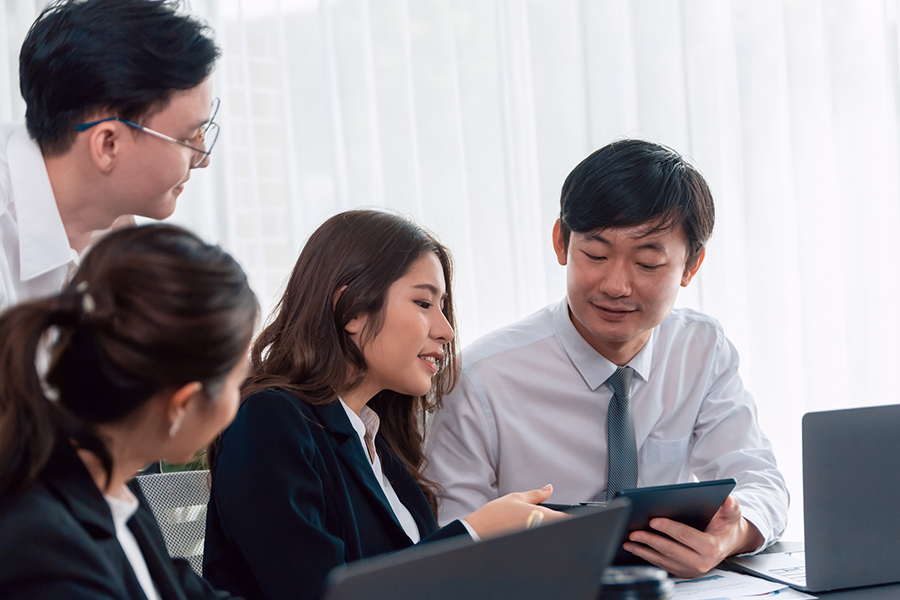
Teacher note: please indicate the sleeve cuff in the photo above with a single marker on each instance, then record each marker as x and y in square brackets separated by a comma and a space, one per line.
[475, 536]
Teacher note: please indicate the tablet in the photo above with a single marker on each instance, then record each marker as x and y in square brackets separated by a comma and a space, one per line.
[693, 504]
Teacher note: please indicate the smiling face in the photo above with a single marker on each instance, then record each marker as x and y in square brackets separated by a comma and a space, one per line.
[622, 282]
[403, 356]
[152, 174]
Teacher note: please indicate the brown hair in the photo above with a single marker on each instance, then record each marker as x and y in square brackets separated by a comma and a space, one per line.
[151, 308]
[306, 350]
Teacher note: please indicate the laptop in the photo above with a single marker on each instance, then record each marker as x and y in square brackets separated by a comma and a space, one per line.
[851, 482]
[558, 560]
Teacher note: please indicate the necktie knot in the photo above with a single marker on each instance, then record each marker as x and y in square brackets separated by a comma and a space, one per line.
[620, 381]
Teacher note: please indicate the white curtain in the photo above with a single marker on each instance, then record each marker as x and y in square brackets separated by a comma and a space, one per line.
[468, 115]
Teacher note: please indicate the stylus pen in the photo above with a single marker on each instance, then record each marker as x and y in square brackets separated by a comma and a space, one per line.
[535, 518]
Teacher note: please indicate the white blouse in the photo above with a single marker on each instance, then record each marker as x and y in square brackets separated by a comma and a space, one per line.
[366, 426]
[122, 510]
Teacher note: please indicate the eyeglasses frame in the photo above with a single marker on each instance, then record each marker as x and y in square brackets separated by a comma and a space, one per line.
[204, 129]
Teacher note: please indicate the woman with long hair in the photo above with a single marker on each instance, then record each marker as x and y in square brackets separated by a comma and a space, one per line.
[324, 462]
[139, 358]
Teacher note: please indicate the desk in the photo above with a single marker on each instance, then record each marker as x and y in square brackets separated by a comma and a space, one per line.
[879, 592]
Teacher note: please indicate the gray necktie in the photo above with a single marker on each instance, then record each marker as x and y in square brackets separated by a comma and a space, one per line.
[622, 449]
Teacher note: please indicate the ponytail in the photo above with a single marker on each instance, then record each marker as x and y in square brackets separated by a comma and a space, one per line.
[30, 421]
[151, 308]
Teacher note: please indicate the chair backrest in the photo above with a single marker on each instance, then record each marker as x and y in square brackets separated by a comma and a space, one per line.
[178, 501]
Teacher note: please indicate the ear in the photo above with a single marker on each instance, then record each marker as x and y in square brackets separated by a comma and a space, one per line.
[105, 145]
[357, 324]
[690, 271]
[559, 244]
[177, 404]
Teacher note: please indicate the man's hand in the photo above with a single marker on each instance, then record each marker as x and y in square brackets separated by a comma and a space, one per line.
[687, 552]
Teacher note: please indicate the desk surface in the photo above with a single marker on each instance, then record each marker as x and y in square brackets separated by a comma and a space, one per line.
[878, 592]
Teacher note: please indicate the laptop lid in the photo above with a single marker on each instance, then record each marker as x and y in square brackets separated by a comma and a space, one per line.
[851, 482]
[557, 560]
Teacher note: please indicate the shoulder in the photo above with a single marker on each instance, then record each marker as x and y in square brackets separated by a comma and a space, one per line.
[686, 325]
[6, 132]
[272, 406]
[500, 343]
[270, 421]
[41, 541]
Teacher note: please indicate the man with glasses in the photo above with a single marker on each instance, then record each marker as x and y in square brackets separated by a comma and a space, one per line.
[119, 111]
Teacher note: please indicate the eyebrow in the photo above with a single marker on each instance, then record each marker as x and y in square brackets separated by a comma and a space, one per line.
[434, 291]
[199, 125]
[652, 245]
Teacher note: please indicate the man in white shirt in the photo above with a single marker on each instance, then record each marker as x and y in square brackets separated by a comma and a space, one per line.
[118, 113]
[531, 405]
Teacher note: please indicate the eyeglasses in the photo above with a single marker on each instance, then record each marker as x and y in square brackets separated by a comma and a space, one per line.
[205, 138]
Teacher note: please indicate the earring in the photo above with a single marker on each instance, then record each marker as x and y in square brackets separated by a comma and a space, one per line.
[176, 425]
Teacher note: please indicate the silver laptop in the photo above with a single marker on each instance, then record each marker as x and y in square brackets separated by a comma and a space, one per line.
[557, 560]
[851, 487]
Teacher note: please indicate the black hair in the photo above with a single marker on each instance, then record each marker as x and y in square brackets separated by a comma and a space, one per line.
[150, 309]
[633, 182]
[128, 56]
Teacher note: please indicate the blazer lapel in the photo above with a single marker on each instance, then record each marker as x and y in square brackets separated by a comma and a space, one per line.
[68, 479]
[348, 447]
[149, 538]
[407, 490]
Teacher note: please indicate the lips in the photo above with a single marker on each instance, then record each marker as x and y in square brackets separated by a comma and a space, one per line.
[614, 313]
[431, 360]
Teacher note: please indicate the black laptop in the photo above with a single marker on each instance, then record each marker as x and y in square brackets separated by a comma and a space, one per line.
[851, 486]
[557, 560]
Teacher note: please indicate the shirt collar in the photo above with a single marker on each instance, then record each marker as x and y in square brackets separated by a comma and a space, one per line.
[365, 424]
[43, 243]
[594, 368]
[122, 508]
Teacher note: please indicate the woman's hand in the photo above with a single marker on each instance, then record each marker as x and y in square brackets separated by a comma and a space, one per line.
[510, 513]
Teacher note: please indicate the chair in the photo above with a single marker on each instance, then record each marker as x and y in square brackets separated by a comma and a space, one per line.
[178, 501]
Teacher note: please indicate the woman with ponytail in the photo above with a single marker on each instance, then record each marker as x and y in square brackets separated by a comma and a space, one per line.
[138, 359]
[324, 462]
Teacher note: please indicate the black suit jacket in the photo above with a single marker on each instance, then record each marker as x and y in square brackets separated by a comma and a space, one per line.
[293, 496]
[57, 540]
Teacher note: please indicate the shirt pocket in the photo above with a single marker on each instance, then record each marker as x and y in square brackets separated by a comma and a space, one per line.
[664, 462]
[665, 451]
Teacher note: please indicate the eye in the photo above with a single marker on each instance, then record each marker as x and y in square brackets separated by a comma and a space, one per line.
[649, 267]
[423, 303]
[594, 257]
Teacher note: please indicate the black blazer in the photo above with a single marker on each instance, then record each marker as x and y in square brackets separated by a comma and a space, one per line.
[57, 540]
[293, 496]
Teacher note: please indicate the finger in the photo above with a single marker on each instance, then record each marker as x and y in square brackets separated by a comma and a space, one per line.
[726, 516]
[669, 564]
[664, 545]
[731, 506]
[537, 496]
[685, 534]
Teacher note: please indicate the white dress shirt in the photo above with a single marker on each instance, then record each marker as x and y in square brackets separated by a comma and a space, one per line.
[122, 510]
[35, 256]
[366, 426]
[530, 409]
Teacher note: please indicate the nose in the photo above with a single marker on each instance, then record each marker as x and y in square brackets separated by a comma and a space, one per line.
[203, 163]
[442, 330]
[616, 280]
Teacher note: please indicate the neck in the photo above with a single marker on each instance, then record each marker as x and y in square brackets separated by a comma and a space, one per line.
[358, 397]
[81, 206]
[125, 462]
[618, 353]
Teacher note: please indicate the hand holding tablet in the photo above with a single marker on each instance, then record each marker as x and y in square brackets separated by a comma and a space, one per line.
[693, 504]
